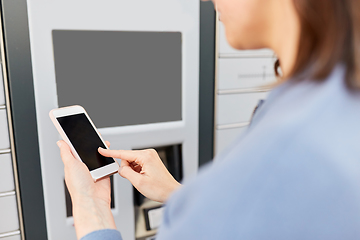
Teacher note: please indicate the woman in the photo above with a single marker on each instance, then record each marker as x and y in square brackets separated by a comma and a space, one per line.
[295, 173]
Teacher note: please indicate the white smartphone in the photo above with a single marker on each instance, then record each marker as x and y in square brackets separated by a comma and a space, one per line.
[79, 132]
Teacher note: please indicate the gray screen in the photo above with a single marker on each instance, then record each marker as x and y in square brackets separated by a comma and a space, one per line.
[120, 78]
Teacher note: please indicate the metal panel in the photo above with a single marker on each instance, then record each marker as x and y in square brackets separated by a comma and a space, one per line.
[207, 82]
[9, 220]
[246, 73]
[237, 108]
[225, 137]
[4, 131]
[20, 77]
[2, 93]
[6, 173]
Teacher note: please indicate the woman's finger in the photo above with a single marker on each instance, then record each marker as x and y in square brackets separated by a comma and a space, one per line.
[107, 143]
[127, 155]
[65, 152]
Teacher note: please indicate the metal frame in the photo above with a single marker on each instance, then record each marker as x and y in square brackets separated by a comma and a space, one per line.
[207, 81]
[23, 116]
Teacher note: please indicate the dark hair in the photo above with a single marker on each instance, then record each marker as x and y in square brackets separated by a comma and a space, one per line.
[330, 34]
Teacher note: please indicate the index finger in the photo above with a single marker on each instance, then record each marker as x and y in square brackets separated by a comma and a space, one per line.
[127, 155]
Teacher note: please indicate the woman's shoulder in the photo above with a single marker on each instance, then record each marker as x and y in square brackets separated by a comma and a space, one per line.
[321, 112]
[299, 160]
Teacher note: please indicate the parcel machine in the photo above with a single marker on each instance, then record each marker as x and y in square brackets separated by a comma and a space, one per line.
[133, 65]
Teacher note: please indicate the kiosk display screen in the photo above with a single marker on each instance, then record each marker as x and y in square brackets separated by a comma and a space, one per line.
[120, 78]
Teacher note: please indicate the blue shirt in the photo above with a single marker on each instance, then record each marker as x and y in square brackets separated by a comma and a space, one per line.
[294, 174]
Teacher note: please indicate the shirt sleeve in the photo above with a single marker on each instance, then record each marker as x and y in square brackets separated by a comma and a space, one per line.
[105, 234]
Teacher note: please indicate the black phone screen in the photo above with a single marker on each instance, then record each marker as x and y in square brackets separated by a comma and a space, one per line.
[85, 140]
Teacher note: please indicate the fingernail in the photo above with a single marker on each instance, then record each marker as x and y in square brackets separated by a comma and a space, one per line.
[58, 143]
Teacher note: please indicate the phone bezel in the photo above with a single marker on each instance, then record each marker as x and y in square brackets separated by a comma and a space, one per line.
[73, 110]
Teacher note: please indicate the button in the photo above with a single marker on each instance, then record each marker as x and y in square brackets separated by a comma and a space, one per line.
[6, 173]
[237, 108]
[9, 219]
[4, 130]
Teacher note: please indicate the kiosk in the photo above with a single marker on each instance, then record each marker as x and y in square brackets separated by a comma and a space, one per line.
[134, 66]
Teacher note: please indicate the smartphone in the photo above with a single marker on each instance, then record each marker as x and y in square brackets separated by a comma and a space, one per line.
[79, 132]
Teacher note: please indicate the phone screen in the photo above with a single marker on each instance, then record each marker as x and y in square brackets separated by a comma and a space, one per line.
[85, 140]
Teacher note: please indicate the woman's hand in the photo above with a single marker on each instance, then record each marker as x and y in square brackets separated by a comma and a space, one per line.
[91, 201]
[145, 170]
